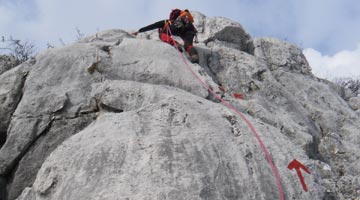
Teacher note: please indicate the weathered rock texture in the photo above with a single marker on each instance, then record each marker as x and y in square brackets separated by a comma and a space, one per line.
[7, 62]
[119, 117]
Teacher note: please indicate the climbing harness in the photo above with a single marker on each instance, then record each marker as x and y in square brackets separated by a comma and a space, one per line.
[252, 128]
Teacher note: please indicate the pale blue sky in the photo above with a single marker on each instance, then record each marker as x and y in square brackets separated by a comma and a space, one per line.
[327, 26]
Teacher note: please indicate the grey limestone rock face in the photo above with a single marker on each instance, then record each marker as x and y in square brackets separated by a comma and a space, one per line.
[279, 53]
[11, 85]
[354, 103]
[172, 149]
[115, 116]
[31, 162]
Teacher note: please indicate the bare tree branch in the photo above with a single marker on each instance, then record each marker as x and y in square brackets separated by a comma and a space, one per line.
[79, 35]
[22, 51]
[352, 83]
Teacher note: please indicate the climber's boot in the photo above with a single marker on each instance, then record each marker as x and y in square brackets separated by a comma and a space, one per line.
[194, 56]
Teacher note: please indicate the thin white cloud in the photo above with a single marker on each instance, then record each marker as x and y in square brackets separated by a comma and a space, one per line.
[342, 64]
[327, 25]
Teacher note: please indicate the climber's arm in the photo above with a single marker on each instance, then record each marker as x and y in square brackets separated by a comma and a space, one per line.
[153, 26]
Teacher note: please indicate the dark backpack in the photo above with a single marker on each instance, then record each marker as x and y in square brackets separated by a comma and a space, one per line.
[181, 21]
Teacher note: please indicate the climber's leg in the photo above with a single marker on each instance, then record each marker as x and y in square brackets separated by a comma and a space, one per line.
[188, 38]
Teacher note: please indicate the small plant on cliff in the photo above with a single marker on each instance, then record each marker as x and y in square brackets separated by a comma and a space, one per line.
[352, 83]
[21, 50]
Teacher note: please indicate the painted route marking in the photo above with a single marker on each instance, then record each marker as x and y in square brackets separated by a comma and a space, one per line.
[297, 166]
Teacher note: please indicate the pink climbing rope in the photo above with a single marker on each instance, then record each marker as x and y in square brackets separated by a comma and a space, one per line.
[252, 128]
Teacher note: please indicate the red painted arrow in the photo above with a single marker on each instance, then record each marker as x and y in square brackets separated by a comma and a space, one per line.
[298, 165]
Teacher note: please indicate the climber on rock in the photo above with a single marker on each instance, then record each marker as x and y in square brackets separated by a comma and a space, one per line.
[180, 23]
